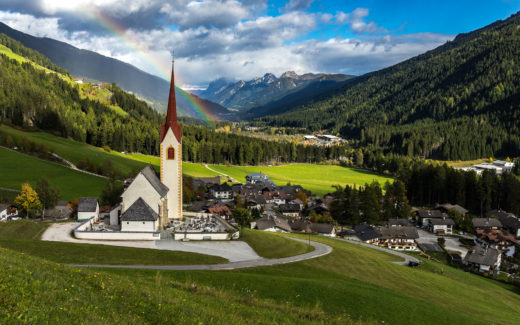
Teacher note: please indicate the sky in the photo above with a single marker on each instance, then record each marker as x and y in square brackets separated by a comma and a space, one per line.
[245, 39]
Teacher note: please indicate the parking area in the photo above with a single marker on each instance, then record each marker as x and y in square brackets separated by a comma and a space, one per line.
[451, 243]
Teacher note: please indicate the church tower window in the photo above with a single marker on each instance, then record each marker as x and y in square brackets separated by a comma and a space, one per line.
[171, 153]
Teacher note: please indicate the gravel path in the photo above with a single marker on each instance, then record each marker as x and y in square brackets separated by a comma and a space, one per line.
[233, 251]
[232, 180]
[407, 258]
[319, 250]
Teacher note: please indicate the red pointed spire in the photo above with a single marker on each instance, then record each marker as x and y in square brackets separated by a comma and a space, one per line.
[171, 113]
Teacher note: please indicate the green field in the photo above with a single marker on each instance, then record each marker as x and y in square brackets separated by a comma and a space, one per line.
[353, 284]
[319, 179]
[273, 245]
[74, 151]
[17, 168]
[362, 283]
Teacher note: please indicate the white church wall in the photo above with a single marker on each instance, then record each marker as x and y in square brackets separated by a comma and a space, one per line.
[138, 226]
[140, 187]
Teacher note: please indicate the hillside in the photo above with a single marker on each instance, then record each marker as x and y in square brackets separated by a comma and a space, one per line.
[243, 95]
[353, 284]
[459, 101]
[93, 66]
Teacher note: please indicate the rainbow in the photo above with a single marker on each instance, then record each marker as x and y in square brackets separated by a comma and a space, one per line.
[161, 68]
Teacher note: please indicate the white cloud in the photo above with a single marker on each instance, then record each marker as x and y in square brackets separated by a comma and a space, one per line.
[244, 49]
[208, 13]
[357, 23]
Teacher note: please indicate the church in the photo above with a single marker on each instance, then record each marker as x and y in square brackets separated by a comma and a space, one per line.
[150, 202]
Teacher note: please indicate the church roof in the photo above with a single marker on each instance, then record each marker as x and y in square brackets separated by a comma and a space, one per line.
[171, 114]
[150, 175]
[139, 211]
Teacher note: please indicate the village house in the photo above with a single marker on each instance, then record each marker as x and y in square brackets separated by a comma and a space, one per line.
[483, 260]
[441, 226]
[221, 191]
[272, 224]
[508, 220]
[256, 177]
[290, 210]
[486, 223]
[300, 225]
[324, 229]
[426, 215]
[367, 233]
[298, 202]
[7, 211]
[447, 207]
[221, 210]
[495, 238]
[399, 238]
[88, 207]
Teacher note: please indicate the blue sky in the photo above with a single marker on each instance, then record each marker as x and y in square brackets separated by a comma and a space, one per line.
[244, 39]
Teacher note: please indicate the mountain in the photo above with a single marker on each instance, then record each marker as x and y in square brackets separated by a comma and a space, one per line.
[243, 95]
[458, 101]
[94, 66]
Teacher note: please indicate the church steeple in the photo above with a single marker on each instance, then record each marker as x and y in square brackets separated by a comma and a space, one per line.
[171, 113]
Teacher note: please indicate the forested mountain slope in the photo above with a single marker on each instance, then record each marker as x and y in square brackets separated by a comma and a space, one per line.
[458, 101]
[94, 66]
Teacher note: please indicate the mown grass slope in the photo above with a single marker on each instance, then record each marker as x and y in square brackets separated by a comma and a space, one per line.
[362, 283]
[37, 291]
[17, 168]
[23, 236]
[273, 245]
[319, 179]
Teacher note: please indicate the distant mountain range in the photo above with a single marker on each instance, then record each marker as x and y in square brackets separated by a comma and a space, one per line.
[458, 101]
[243, 95]
[94, 66]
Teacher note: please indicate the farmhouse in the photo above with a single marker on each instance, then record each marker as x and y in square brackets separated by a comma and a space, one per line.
[290, 210]
[446, 207]
[256, 178]
[483, 260]
[325, 229]
[367, 233]
[273, 224]
[441, 226]
[221, 191]
[508, 220]
[426, 215]
[398, 222]
[7, 211]
[486, 223]
[399, 238]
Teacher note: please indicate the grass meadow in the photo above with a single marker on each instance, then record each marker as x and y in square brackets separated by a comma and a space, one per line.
[17, 168]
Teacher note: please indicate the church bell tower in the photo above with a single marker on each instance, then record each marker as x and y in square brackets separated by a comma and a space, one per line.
[171, 159]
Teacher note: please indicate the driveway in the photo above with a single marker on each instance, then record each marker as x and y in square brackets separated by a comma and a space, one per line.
[451, 243]
[234, 251]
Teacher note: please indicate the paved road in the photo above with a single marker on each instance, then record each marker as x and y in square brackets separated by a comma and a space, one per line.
[319, 250]
[451, 243]
[407, 258]
[233, 251]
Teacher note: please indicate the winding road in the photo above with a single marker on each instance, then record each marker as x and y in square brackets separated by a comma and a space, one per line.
[319, 250]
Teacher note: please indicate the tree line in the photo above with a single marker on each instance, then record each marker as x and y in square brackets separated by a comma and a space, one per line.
[459, 101]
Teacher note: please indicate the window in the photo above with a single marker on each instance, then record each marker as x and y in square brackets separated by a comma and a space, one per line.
[171, 153]
[144, 222]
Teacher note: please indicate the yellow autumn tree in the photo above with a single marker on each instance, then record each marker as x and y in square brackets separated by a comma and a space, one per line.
[28, 200]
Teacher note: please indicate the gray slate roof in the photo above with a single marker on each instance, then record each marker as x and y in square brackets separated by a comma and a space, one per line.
[441, 222]
[290, 208]
[486, 223]
[139, 211]
[456, 207]
[266, 223]
[483, 256]
[399, 232]
[87, 204]
[430, 214]
[398, 222]
[150, 175]
[366, 232]
[322, 228]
